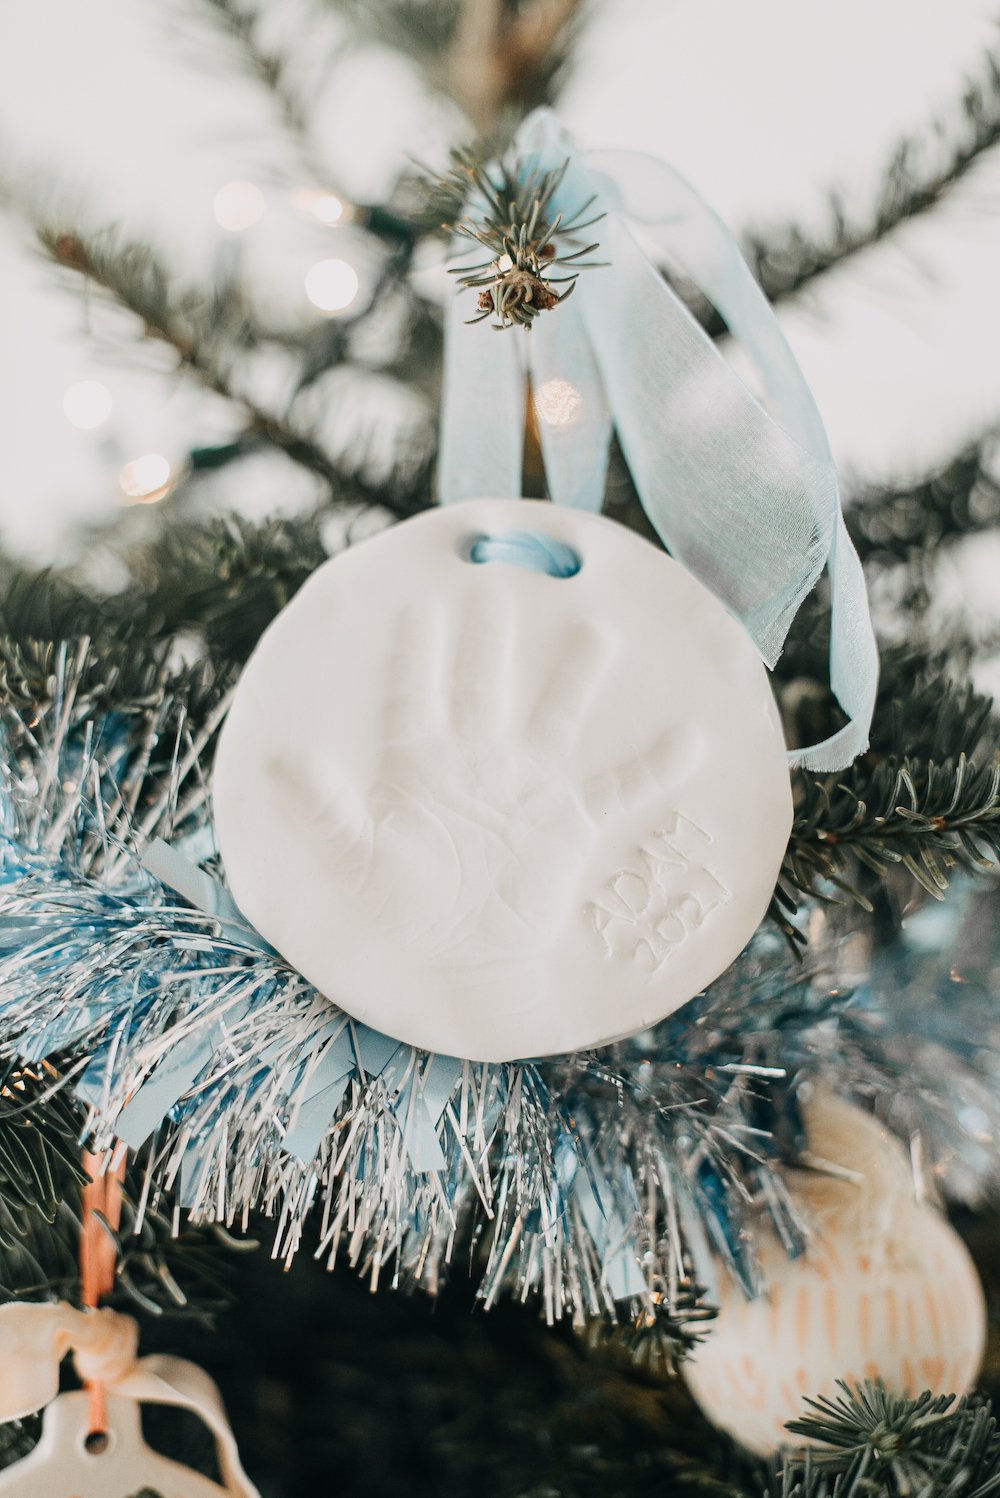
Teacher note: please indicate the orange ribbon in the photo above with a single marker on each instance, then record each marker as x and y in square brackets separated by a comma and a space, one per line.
[102, 1198]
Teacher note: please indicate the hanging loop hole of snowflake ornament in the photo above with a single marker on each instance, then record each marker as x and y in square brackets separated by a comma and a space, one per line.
[98, 1442]
[528, 549]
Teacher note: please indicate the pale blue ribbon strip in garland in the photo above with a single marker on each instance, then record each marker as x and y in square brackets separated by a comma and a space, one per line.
[353, 1050]
[177, 872]
[744, 493]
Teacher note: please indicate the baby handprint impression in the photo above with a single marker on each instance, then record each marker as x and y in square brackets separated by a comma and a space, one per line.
[472, 835]
[495, 813]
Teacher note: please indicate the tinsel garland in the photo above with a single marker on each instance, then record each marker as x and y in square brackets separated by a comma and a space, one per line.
[595, 1182]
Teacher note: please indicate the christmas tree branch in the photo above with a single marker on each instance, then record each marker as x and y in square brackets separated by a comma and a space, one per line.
[786, 261]
[240, 27]
[39, 1146]
[876, 1442]
[418, 30]
[207, 330]
[124, 668]
[219, 581]
[924, 798]
[898, 525]
[494, 59]
[504, 58]
[225, 579]
[40, 1181]
[524, 240]
[213, 333]
[930, 819]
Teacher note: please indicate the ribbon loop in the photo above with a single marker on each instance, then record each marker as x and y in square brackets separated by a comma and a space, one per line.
[574, 420]
[744, 493]
[482, 411]
[106, 1347]
[35, 1339]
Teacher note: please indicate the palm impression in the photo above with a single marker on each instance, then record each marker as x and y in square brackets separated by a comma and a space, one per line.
[495, 813]
[472, 834]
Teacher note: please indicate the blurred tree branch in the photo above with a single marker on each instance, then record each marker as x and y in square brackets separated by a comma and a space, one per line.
[501, 58]
[785, 260]
[212, 332]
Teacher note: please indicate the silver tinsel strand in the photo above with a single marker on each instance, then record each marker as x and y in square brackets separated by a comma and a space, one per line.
[593, 1182]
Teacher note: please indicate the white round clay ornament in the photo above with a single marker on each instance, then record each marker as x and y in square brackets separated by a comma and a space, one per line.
[885, 1290]
[496, 813]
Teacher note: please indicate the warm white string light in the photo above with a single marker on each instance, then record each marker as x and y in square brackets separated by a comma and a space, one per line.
[328, 208]
[321, 204]
[146, 479]
[238, 206]
[558, 403]
[332, 285]
[87, 405]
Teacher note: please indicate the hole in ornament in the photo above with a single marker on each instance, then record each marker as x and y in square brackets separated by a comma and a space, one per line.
[97, 1442]
[528, 549]
[181, 1435]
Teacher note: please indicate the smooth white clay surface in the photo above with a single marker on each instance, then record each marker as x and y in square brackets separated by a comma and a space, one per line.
[885, 1290]
[496, 813]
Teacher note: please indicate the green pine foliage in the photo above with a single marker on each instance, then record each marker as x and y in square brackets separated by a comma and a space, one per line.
[873, 1442]
[525, 239]
[785, 262]
[921, 805]
[40, 1183]
[929, 811]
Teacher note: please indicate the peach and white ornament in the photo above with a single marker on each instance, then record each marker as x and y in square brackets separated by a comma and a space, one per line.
[885, 1290]
[498, 813]
[72, 1458]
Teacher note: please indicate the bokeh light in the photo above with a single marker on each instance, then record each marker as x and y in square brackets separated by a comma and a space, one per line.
[332, 285]
[558, 403]
[328, 208]
[87, 404]
[238, 206]
[324, 206]
[146, 479]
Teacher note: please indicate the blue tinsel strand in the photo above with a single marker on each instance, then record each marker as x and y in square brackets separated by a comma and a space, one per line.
[592, 1178]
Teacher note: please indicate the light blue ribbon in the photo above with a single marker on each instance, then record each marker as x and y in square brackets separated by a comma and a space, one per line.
[529, 550]
[743, 493]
